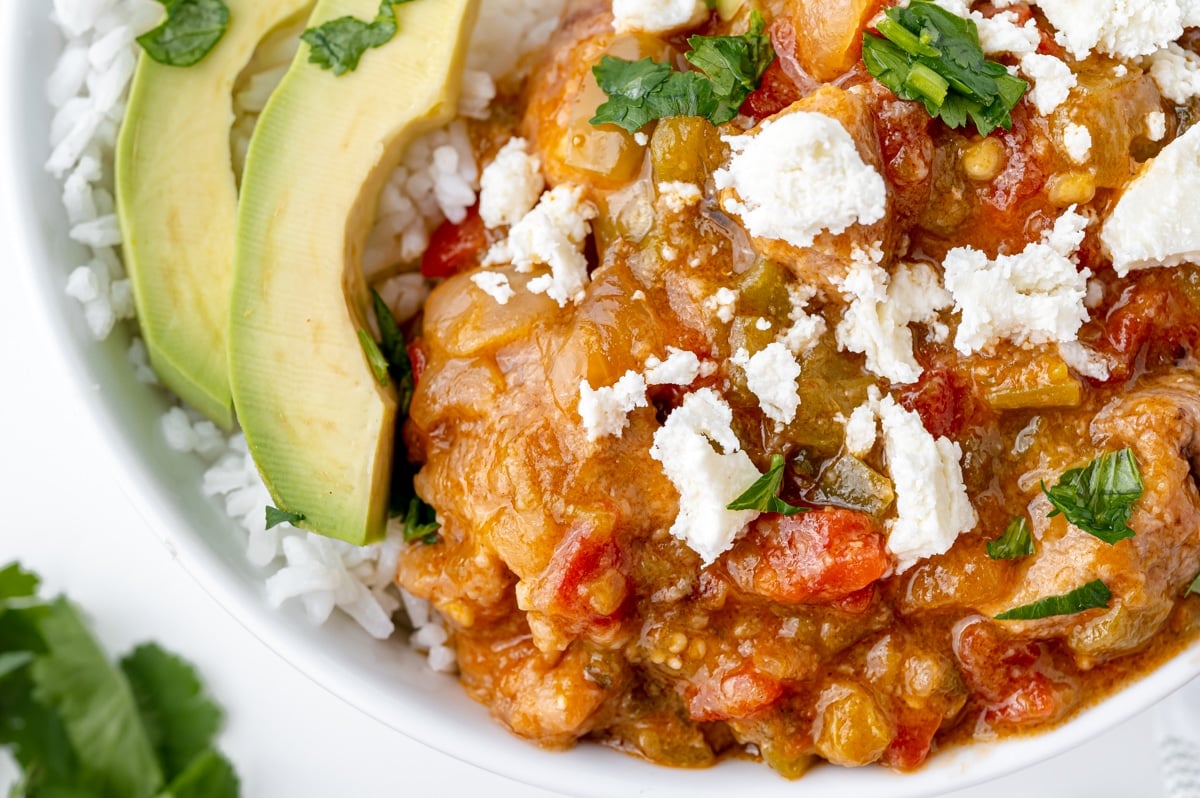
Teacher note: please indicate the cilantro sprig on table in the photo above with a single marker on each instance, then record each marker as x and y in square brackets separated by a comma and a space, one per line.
[78, 725]
[929, 55]
[730, 68]
[338, 45]
[1099, 497]
[190, 32]
[763, 495]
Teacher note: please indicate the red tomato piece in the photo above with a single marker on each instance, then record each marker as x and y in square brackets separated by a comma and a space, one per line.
[418, 358]
[785, 81]
[813, 558]
[729, 694]
[585, 584]
[455, 248]
[912, 743]
[945, 400]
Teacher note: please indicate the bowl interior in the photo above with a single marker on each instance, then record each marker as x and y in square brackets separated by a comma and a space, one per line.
[385, 680]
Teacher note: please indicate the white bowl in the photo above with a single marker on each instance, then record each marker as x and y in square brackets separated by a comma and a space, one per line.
[386, 680]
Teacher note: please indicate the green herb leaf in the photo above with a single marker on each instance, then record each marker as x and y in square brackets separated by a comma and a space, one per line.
[192, 29]
[13, 661]
[420, 523]
[1099, 497]
[275, 517]
[208, 776]
[763, 495]
[179, 717]
[375, 358]
[16, 582]
[1194, 587]
[639, 92]
[395, 351]
[1015, 543]
[339, 44]
[929, 55]
[1093, 595]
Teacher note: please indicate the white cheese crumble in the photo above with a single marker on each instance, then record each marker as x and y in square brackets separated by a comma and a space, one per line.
[1121, 28]
[1088, 362]
[806, 328]
[552, 234]
[1000, 33]
[799, 176]
[1177, 73]
[657, 16]
[1154, 222]
[605, 411]
[1156, 125]
[861, 429]
[678, 196]
[932, 507]
[510, 185]
[495, 285]
[680, 368]
[722, 303]
[1077, 140]
[881, 307]
[1035, 296]
[771, 375]
[1052, 81]
[707, 479]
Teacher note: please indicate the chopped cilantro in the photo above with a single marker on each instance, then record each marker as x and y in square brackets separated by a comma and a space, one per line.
[338, 44]
[1099, 497]
[190, 32]
[420, 523]
[275, 517]
[1093, 595]
[763, 495]
[640, 92]
[375, 358]
[79, 726]
[934, 57]
[1015, 543]
[1194, 587]
[395, 352]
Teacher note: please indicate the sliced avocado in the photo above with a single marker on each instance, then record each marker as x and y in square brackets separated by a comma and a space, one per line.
[319, 424]
[177, 200]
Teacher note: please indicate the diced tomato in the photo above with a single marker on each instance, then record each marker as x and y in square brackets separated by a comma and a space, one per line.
[913, 740]
[1016, 682]
[907, 149]
[584, 585]
[944, 399]
[454, 248]
[1148, 323]
[813, 558]
[857, 602]
[418, 358]
[731, 694]
[785, 81]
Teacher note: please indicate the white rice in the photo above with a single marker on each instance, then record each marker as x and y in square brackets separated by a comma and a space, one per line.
[438, 180]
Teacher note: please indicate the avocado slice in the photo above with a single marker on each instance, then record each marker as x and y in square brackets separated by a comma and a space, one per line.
[177, 201]
[318, 423]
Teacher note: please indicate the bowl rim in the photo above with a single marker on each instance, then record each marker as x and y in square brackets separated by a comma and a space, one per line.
[299, 645]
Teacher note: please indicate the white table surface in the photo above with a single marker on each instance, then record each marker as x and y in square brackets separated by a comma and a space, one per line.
[66, 516]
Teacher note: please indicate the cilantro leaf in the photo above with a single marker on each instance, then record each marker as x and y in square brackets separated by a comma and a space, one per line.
[375, 358]
[16, 582]
[1015, 543]
[275, 517]
[1093, 595]
[1099, 497]
[208, 776]
[395, 351]
[929, 55]
[1194, 587]
[639, 92]
[190, 32]
[339, 44]
[179, 717]
[420, 523]
[763, 495]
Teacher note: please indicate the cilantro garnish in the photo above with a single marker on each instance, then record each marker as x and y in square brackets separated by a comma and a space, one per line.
[275, 517]
[190, 32]
[1194, 587]
[1099, 497]
[1016, 542]
[420, 523]
[640, 92]
[78, 725]
[932, 56]
[763, 495]
[375, 358]
[338, 44]
[394, 349]
[1093, 595]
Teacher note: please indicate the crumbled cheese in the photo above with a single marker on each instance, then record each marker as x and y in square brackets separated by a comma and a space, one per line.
[806, 328]
[1177, 73]
[861, 429]
[678, 196]
[771, 375]
[881, 307]
[680, 368]
[641, 139]
[510, 185]
[1001, 33]
[1077, 140]
[799, 176]
[762, 325]
[605, 411]
[495, 285]
[1154, 222]
[1033, 297]
[722, 303]
[707, 480]
[932, 507]
[657, 16]
[1156, 125]
[1088, 362]
[552, 234]
[1121, 28]
[1052, 81]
